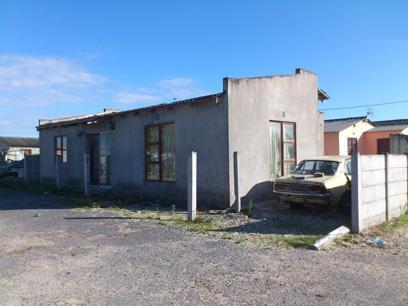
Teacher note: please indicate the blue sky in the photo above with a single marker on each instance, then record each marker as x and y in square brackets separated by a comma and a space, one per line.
[61, 58]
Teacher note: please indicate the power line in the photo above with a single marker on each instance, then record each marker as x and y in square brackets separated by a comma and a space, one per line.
[366, 105]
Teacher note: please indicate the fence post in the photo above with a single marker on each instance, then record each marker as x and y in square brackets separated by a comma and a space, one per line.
[356, 193]
[86, 175]
[25, 170]
[58, 172]
[387, 183]
[236, 183]
[192, 185]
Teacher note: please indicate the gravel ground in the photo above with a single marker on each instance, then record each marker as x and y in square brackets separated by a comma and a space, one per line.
[53, 255]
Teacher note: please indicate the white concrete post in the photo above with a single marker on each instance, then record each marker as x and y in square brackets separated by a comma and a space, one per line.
[387, 185]
[192, 186]
[58, 172]
[356, 202]
[86, 175]
[236, 183]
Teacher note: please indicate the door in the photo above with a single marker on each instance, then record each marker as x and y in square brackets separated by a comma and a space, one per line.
[383, 146]
[100, 158]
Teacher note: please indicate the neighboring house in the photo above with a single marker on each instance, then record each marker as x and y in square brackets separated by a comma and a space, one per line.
[272, 122]
[343, 136]
[377, 139]
[346, 136]
[15, 148]
[399, 144]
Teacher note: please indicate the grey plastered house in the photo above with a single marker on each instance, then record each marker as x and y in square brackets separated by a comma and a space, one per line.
[272, 122]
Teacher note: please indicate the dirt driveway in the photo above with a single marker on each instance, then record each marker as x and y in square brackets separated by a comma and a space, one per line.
[53, 255]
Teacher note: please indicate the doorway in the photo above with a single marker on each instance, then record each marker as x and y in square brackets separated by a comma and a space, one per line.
[100, 158]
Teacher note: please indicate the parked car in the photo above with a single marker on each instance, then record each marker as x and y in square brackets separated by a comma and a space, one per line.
[11, 168]
[318, 181]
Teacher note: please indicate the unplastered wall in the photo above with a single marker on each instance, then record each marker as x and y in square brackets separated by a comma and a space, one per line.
[379, 189]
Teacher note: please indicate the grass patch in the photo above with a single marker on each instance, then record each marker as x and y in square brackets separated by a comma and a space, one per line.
[389, 227]
[248, 210]
[200, 224]
[294, 241]
[36, 188]
[344, 241]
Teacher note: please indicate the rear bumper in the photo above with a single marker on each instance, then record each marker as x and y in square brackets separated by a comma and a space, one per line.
[304, 197]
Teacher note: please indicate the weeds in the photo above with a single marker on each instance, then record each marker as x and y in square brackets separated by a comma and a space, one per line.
[389, 227]
[248, 211]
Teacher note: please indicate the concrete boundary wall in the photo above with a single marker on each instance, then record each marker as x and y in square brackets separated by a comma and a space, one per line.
[379, 189]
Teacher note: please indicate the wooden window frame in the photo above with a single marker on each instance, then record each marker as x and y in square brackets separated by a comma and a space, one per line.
[61, 150]
[159, 144]
[283, 141]
[352, 139]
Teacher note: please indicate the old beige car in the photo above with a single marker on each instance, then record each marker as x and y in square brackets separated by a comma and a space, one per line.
[324, 180]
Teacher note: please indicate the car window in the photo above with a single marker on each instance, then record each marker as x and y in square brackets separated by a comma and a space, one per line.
[348, 167]
[312, 166]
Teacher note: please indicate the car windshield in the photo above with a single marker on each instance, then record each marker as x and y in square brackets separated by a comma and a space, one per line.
[312, 166]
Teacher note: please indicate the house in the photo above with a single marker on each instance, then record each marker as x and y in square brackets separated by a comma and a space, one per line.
[15, 148]
[399, 144]
[144, 151]
[346, 136]
[377, 139]
[342, 136]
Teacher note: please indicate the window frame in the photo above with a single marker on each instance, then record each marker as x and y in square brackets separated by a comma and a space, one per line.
[159, 144]
[61, 149]
[352, 145]
[282, 144]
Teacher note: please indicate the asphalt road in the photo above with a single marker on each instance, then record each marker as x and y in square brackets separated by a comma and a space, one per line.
[53, 255]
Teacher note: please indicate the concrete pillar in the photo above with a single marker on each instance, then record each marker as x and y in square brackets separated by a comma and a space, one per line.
[356, 200]
[236, 183]
[387, 184]
[58, 172]
[86, 173]
[192, 186]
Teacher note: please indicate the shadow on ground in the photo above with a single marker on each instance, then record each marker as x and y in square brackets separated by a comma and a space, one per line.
[274, 217]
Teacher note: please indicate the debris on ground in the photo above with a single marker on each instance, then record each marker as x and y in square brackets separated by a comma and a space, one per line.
[330, 237]
[378, 242]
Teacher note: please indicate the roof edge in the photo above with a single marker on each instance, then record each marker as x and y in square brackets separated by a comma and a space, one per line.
[46, 123]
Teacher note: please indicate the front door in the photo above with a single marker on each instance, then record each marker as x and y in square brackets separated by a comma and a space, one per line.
[100, 158]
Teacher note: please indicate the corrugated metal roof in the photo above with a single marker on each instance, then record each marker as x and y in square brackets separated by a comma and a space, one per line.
[24, 142]
[90, 117]
[337, 125]
[389, 125]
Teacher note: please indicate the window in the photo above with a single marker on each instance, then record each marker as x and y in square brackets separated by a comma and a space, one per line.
[160, 152]
[61, 148]
[351, 146]
[282, 138]
[313, 166]
[383, 146]
[348, 167]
